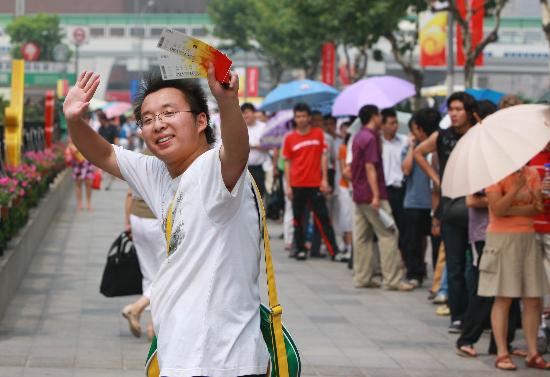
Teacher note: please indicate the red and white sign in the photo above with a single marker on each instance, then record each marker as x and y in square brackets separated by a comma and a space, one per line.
[30, 51]
[79, 35]
[252, 80]
[328, 63]
[476, 29]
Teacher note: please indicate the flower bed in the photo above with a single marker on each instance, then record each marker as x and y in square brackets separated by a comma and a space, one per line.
[24, 185]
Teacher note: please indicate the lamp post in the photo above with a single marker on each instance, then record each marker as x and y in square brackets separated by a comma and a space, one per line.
[141, 36]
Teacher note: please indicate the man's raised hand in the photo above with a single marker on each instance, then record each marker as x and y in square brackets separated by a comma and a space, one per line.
[223, 91]
[79, 96]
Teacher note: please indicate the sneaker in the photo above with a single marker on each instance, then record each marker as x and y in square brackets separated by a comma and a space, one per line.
[402, 286]
[443, 310]
[440, 299]
[343, 256]
[301, 255]
[455, 327]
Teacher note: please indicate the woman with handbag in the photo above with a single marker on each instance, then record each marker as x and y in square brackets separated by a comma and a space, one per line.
[83, 174]
[512, 263]
[146, 233]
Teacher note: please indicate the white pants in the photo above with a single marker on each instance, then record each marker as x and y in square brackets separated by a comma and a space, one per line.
[150, 247]
[288, 227]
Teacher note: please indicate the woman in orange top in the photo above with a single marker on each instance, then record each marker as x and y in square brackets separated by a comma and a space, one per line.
[511, 265]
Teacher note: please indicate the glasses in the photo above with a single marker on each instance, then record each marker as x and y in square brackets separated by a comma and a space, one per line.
[149, 120]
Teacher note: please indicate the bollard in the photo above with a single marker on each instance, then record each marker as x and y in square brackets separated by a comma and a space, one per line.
[14, 114]
[49, 107]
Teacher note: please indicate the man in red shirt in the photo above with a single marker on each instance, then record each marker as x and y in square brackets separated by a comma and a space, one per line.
[306, 177]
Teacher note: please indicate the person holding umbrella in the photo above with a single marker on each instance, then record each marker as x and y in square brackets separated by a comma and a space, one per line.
[512, 264]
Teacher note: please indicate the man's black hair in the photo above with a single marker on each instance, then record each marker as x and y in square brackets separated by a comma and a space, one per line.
[427, 120]
[485, 108]
[469, 103]
[191, 90]
[248, 106]
[304, 107]
[388, 113]
[329, 117]
[367, 112]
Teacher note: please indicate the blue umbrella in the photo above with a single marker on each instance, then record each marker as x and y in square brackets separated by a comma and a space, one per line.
[285, 96]
[488, 94]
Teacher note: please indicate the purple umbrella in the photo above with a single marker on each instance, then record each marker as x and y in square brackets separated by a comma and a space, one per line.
[276, 128]
[382, 91]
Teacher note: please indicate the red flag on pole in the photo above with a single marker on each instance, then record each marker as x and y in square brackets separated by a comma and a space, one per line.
[252, 79]
[328, 63]
[476, 29]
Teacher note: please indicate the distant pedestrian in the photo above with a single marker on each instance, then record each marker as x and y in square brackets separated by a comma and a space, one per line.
[306, 179]
[371, 206]
[258, 155]
[109, 131]
[83, 175]
[393, 144]
[453, 213]
[418, 197]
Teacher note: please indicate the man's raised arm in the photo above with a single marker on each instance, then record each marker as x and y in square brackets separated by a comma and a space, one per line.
[96, 149]
[234, 132]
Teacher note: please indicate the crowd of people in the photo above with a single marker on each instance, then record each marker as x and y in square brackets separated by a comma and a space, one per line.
[373, 197]
[365, 195]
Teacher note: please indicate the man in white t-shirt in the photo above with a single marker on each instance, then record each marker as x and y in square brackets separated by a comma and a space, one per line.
[258, 154]
[392, 147]
[205, 298]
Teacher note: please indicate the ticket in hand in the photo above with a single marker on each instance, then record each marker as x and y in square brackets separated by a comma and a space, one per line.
[189, 57]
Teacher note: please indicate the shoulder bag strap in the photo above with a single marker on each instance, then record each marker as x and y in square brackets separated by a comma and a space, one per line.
[276, 309]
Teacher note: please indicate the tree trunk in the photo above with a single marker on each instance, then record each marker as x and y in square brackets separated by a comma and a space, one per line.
[418, 79]
[276, 70]
[469, 66]
[361, 62]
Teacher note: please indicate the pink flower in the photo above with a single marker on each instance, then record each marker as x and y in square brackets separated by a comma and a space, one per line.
[12, 189]
[21, 192]
[24, 184]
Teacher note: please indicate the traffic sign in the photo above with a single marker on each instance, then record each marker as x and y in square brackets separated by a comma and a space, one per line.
[60, 53]
[79, 35]
[30, 51]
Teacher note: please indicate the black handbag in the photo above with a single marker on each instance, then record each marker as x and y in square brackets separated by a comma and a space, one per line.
[455, 211]
[122, 275]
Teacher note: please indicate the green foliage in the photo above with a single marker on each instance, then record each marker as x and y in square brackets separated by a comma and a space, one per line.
[42, 29]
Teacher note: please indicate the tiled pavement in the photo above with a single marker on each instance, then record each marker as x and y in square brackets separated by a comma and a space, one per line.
[59, 325]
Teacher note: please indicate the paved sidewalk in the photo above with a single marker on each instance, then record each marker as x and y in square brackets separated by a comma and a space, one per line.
[59, 325]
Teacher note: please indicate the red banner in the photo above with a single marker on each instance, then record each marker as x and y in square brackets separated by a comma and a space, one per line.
[328, 63]
[252, 80]
[476, 29]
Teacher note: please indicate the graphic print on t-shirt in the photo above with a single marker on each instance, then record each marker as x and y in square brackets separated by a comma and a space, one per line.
[177, 234]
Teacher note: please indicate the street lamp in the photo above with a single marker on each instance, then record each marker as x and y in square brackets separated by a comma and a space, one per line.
[141, 36]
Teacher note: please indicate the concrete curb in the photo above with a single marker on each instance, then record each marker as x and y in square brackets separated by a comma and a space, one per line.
[20, 250]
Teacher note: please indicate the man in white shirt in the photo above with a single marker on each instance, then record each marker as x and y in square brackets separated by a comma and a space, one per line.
[392, 147]
[205, 298]
[258, 154]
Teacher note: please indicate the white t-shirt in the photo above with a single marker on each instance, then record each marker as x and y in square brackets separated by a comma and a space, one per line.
[205, 298]
[255, 133]
[391, 159]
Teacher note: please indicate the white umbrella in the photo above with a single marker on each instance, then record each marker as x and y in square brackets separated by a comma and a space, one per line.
[501, 144]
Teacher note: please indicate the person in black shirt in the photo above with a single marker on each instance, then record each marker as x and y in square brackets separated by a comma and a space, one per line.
[454, 229]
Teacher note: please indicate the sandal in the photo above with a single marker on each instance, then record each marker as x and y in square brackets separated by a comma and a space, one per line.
[537, 362]
[504, 362]
[466, 351]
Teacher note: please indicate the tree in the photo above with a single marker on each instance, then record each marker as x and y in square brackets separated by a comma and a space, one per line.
[492, 7]
[285, 33]
[404, 44]
[42, 29]
[545, 5]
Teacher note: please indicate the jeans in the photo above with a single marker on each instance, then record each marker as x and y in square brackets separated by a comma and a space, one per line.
[455, 239]
[418, 228]
[444, 288]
